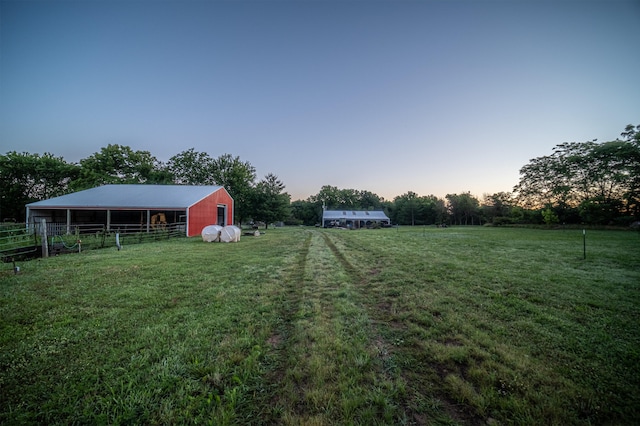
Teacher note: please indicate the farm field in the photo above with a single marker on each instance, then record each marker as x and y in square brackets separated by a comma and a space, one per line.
[461, 325]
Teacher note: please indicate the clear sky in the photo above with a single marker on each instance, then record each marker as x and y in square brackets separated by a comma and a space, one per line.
[433, 97]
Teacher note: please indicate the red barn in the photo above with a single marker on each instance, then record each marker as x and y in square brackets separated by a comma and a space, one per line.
[138, 205]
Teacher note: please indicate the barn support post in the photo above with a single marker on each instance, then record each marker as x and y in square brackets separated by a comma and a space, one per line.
[148, 220]
[68, 221]
[186, 222]
[108, 220]
[45, 243]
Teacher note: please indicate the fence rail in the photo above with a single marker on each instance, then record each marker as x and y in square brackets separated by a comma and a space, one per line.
[16, 240]
[21, 240]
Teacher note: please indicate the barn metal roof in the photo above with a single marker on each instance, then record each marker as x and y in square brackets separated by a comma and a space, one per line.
[354, 214]
[130, 197]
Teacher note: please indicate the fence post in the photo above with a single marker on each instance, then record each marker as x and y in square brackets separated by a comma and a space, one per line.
[45, 243]
[104, 236]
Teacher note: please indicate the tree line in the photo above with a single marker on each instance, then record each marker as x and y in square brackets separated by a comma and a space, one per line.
[589, 182]
[25, 178]
[579, 182]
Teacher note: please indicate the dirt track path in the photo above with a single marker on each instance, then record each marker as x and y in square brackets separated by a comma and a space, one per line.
[331, 367]
[338, 361]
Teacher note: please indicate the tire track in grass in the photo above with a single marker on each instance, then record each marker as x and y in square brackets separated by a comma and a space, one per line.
[281, 339]
[329, 370]
[421, 402]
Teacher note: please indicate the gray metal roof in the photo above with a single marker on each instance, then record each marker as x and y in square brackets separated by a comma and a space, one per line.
[354, 215]
[130, 197]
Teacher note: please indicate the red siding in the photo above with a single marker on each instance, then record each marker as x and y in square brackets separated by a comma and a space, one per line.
[205, 212]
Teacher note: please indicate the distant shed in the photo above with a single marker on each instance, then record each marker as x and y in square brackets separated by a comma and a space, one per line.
[124, 205]
[354, 219]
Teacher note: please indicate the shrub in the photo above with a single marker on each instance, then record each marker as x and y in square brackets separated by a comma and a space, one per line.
[501, 220]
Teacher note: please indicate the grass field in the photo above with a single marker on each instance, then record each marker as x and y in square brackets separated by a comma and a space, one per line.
[308, 326]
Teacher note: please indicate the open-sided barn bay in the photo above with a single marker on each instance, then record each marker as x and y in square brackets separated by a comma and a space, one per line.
[311, 326]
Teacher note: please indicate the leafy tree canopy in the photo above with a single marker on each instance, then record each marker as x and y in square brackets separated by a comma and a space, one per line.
[463, 208]
[191, 168]
[589, 181]
[119, 164]
[25, 178]
[334, 198]
[588, 174]
[269, 201]
[238, 177]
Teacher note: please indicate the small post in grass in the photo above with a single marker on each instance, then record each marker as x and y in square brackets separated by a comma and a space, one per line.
[45, 242]
[584, 244]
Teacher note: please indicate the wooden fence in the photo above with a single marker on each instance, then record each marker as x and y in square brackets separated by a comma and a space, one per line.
[23, 241]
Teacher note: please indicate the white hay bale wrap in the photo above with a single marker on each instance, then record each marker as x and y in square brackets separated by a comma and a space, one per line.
[230, 234]
[211, 233]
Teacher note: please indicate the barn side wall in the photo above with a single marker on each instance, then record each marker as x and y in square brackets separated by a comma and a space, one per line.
[205, 211]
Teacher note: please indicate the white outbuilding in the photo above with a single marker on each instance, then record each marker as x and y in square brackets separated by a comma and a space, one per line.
[354, 219]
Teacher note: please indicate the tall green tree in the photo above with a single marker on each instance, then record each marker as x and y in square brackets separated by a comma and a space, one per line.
[631, 200]
[334, 198]
[496, 208]
[269, 201]
[369, 201]
[304, 212]
[412, 209]
[238, 178]
[118, 164]
[464, 208]
[631, 133]
[435, 210]
[25, 178]
[192, 168]
[407, 208]
[600, 180]
[599, 170]
[545, 182]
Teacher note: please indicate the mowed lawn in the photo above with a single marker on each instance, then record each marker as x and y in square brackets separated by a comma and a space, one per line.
[463, 325]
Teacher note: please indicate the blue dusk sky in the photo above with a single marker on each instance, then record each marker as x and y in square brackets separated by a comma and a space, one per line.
[433, 97]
